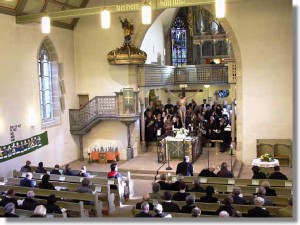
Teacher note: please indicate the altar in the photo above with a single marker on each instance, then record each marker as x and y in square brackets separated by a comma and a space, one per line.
[177, 148]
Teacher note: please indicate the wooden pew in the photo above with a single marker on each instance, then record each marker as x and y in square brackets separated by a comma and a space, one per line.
[277, 200]
[99, 183]
[27, 213]
[234, 181]
[61, 194]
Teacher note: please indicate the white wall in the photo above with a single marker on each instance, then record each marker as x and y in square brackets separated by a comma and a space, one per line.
[263, 30]
[20, 91]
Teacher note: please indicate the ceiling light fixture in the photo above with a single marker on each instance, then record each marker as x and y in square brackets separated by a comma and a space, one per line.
[45, 24]
[206, 85]
[146, 13]
[220, 8]
[105, 19]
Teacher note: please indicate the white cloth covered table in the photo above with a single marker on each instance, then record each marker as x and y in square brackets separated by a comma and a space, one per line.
[259, 163]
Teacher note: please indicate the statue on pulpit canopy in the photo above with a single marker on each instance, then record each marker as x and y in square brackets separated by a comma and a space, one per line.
[128, 30]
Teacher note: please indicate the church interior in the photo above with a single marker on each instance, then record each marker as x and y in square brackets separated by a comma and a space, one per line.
[100, 83]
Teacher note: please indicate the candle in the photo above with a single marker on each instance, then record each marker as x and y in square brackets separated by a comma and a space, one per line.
[89, 150]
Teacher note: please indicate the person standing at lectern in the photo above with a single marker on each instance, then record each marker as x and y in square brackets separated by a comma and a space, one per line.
[185, 167]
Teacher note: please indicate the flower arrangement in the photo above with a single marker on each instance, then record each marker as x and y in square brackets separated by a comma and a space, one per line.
[182, 133]
[266, 158]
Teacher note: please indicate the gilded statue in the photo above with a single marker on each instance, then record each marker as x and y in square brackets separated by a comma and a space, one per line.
[128, 30]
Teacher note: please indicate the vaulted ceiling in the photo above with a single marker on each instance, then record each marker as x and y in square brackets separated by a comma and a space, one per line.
[27, 7]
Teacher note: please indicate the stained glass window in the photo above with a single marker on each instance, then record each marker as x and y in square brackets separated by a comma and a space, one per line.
[179, 43]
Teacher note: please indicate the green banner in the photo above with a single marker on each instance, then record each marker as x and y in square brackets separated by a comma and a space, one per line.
[23, 147]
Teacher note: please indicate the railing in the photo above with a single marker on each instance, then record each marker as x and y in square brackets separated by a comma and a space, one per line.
[102, 108]
[155, 75]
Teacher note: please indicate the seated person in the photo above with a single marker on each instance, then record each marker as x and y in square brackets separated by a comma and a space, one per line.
[277, 175]
[51, 206]
[181, 194]
[258, 211]
[175, 186]
[228, 200]
[114, 173]
[9, 210]
[189, 204]
[27, 181]
[224, 172]
[208, 172]
[269, 191]
[145, 212]
[196, 212]
[262, 193]
[163, 184]
[237, 196]
[210, 190]
[83, 172]
[39, 211]
[29, 202]
[158, 209]
[45, 184]
[197, 186]
[68, 171]
[286, 211]
[9, 197]
[40, 168]
[146, 198]
[168, 205]
[56, 170]
[27, 167]
[257, 174]
[84, 187]
[155, 192]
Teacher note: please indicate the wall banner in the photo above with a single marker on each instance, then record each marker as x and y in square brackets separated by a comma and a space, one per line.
[22, 147]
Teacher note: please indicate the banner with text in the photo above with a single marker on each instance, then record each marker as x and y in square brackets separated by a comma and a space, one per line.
[22, 147]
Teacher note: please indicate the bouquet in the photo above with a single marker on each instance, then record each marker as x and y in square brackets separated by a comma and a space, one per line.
[181, 133]
[266, 158]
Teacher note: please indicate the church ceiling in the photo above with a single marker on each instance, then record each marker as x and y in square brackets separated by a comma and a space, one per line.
[27, 7]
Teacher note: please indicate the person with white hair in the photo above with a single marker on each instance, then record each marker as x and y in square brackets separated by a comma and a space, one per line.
[39, 211]
[258, 210]
[185, 167]
[29, 202]
[27, 181]
[175, 186]
[158, 209]
[9, 210]
[145, 211]
[261, 192]
[224, 214]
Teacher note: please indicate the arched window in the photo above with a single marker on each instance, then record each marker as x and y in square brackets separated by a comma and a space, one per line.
[179, 43]
[48, 84]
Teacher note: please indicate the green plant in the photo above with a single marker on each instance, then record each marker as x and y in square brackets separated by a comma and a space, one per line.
[266, 158]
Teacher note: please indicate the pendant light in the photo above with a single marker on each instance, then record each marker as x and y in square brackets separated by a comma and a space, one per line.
[146, 13]
[105, 19]
[220, 8]
[45, 24]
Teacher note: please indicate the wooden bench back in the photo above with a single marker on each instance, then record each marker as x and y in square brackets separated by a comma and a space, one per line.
[28, 213]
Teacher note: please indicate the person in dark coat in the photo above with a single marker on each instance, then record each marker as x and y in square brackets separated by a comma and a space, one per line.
[68, 171]
[258, 211]
[45, 184]
[163, 184]
[56, 170]
[145, 211]
[209, 195]
[9, 210]
[40, 168]
[277, 175]
[9, 197]
[83, 172]
[51, 206]
[146, 198]
[175, 186]
[27, 167]
[261, 192]
[208, 172]
[158, 209]
[181, 194]
[168, 205]
[228, 200]
[189, 204]
[257, 174]
[150, 132]
[29, 203]
[185, 167]
[224, 172]
[197, 186]
[269, 191]
[27, 181]
[236, 196]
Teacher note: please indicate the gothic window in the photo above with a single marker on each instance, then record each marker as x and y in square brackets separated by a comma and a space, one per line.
[179, 43]
[48, 84]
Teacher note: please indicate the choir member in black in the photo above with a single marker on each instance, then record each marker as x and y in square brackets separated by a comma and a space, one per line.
[212, 127]
[159, 124]
[150, 133]
[169, 107]
[168, 126]
[177, 121]
[157, 110]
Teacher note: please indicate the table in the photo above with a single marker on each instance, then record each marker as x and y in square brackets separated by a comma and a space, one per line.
[266, 167]
[103, 157]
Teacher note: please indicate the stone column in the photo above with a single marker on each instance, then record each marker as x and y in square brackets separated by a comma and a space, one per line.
[129, 148]
[81, 158]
